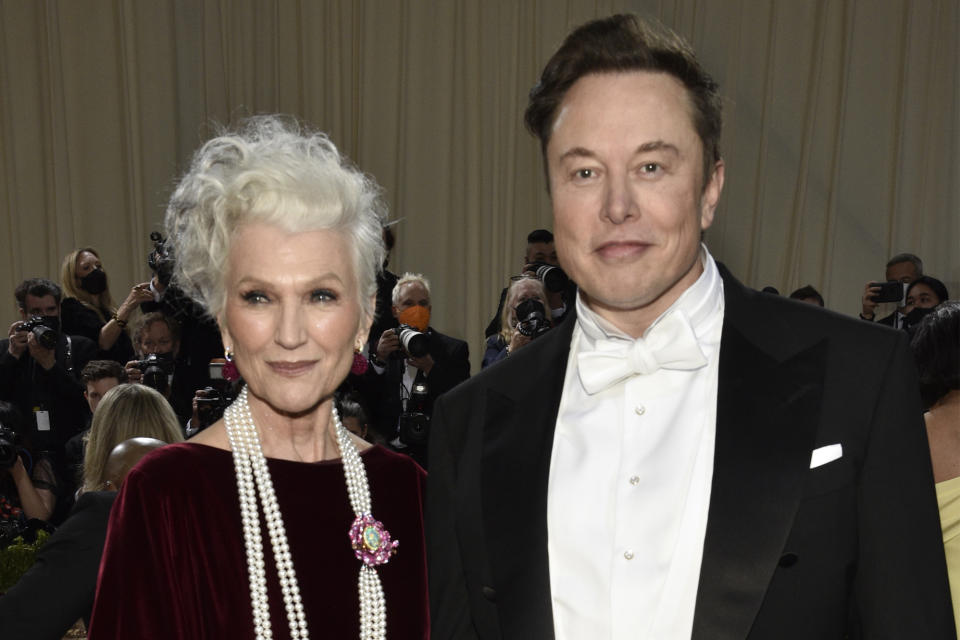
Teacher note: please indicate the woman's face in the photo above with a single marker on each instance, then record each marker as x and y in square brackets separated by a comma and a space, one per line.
[921, 296]
[86, 262]
[292, 314]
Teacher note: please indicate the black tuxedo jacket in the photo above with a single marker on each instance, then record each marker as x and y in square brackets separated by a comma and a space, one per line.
[59, 588]
[848, 549]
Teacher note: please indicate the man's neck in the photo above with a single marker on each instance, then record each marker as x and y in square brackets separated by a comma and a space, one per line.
[635, 321]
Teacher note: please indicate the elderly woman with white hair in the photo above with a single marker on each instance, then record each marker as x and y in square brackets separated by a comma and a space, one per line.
[275, 520]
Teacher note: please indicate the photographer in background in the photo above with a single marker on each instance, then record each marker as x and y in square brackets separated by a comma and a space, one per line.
[386, 281]
[524, 318]
[40, 366]
[27, 480]
[199, 337]
[156, 341]
[902, 269]
[540, 261]
[88, 308]
[412, 365]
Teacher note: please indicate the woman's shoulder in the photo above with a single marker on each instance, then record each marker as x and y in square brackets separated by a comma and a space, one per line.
[186, 460]
[73, 306]
[383, 461]
[77, 318]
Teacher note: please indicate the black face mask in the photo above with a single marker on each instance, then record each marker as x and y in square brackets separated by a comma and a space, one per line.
[94, 282]
[913, 318]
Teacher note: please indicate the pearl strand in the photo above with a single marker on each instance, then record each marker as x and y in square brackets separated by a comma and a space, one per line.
[251, 470]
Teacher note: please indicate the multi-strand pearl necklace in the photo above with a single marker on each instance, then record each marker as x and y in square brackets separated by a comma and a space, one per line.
[371, 542]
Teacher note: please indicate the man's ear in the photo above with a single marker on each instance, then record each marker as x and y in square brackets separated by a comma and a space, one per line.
[23, 313]
[711, 196]
[395, 311]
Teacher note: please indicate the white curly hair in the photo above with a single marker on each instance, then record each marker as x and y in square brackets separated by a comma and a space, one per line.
[270, 170]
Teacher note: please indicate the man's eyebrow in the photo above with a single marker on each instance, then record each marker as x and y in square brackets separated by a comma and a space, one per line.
[577, 152]
[658, 145]
[646, 147]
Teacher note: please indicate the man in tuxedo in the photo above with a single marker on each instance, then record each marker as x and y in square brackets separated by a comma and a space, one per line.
[407, 381]
[683, 456]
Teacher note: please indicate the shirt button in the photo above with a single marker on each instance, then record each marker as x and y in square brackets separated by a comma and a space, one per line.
[640, 409]
[634, 480]
[628, 554]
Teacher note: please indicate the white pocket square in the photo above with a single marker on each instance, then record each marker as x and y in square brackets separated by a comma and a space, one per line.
[823, 455]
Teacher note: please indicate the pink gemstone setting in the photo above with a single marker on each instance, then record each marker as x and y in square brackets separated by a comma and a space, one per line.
[371, 541]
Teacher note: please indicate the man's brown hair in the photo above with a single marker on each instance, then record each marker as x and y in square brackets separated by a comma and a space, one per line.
[623, 43]
[100, 369]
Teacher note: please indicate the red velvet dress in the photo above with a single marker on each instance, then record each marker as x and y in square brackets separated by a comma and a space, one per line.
[174, 564]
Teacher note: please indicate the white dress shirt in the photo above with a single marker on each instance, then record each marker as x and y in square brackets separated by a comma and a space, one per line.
[629, 486]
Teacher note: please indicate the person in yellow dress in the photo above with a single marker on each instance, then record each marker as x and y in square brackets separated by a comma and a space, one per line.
[936, 346]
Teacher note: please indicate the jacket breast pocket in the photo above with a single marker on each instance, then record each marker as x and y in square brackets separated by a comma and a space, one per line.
[827, 478]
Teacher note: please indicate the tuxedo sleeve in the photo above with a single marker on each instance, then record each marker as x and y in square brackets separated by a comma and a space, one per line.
[901, 588]
[449, 603]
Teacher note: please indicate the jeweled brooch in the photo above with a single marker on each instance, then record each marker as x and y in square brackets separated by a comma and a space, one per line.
[371, 541]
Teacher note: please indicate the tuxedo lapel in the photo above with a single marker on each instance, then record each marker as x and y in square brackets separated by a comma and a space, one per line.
[520, 417]
[768, 403]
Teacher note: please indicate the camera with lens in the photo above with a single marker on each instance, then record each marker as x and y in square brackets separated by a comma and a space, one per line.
[157, 369]
[212, 404]
[42, 329]
[414, 421]
[160, 260]
[9, 450]
[552, 276]
[413, 343]
[532, 318]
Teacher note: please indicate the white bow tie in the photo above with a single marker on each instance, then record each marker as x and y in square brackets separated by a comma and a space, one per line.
[671, 345]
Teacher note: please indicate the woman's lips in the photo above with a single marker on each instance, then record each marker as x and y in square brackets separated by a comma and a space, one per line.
[292, 368]
[619, 250]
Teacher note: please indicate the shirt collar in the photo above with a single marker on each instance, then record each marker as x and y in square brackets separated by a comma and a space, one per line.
[700, 303]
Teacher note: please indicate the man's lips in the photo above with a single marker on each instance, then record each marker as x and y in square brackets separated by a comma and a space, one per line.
[292, 368]
[618, 249]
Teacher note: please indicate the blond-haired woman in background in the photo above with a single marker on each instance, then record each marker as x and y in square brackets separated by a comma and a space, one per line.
[512, 336]
[88, 309]
[126, 411]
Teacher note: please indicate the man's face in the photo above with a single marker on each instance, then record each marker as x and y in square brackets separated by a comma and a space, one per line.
[628, 200]
[411, 294]
[96, 389]
[541, 252]
[39, 306]
[902, 272]
[156, 338]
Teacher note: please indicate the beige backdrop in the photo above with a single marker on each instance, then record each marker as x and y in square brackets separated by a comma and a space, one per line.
[841, 141]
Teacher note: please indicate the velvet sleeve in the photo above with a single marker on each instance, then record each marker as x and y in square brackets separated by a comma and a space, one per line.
[137, 582]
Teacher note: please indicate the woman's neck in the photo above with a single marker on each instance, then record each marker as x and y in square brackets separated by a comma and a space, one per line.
[304, 437]
[948, 407]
